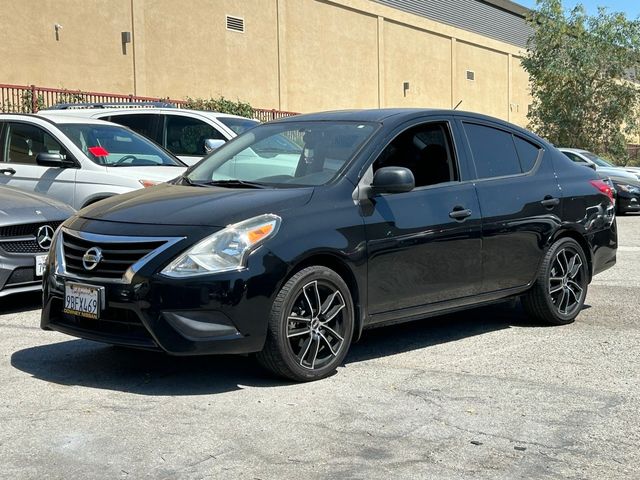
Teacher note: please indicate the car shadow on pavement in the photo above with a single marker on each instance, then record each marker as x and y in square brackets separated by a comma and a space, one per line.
[95, 365]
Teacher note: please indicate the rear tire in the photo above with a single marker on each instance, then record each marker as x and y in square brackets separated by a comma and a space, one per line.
[558, 294]
[310, 326]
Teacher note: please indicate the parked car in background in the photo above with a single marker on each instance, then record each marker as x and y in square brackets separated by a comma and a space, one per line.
[381, 216]
[27, 225]
[626, 184]
[188, 134]
[79, 161]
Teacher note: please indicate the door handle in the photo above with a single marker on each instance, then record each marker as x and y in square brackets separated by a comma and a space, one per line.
[7, 171]
[550, 202]
[459, 213]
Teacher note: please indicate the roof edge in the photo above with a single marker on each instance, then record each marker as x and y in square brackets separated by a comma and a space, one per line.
[509, 6]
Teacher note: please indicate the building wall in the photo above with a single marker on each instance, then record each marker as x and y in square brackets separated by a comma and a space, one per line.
[296, 55]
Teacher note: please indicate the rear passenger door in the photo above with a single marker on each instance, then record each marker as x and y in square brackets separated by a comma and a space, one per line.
[519, 200]
[184, 136]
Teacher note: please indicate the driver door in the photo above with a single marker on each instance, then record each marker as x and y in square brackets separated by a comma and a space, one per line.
[21, 143]
[422, 250]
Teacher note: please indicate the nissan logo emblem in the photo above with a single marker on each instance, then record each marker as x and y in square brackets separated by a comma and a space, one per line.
[44, 236]
[91, 258]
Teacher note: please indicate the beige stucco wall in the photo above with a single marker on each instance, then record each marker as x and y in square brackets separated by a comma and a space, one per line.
[296, 55]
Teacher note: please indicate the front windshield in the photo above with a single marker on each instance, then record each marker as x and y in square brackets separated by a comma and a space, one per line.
[601, 162]
[239, 125]
[284, 154]
[115, 146]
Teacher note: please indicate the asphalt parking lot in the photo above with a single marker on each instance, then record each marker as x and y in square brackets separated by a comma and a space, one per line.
[479, 394]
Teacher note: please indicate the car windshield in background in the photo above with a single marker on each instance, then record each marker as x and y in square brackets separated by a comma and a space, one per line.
[284, 154]
[601, 162]
[239, 125]
[115, 146]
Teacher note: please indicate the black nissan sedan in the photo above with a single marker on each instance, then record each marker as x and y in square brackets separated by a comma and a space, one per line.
[372, 217]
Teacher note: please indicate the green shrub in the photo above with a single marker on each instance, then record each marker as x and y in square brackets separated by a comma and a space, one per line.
[221, 105]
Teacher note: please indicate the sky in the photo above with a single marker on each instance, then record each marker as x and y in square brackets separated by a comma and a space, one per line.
[630, 7]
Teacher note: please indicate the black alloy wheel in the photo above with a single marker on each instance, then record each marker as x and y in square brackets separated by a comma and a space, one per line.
[561, 287]
[310, 326]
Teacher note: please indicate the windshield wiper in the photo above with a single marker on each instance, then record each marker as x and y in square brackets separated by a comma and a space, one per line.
[233, 183]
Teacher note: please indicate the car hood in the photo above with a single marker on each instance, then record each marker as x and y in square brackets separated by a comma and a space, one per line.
[19, 207]
[169, 204]
[159, 174]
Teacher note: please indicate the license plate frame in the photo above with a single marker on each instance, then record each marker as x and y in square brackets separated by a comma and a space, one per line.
[83, 300]
[41, 262]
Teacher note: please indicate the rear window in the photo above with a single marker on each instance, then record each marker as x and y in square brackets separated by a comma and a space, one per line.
[115, 146]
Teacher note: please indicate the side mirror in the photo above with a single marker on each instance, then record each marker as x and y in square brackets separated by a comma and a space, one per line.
[211, 144]
[591, 166]
[52, 160]
[393, 180]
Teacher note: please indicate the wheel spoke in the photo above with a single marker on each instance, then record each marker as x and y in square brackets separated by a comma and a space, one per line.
[293, 318]
[315, 355]
[328, 344]
[555, 290]
[329, 301]
[559, 259]
[297, 332]
[333, 332]
[575, 285]
[577, 265]
[304, 350]
[561, 301]
[316, 294]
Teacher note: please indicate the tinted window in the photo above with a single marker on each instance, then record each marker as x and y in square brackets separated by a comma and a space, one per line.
[574, 157]
[493, 150]
[24, 142]
[527, 152]
[425, 150]
[186, 136]
[144, 123]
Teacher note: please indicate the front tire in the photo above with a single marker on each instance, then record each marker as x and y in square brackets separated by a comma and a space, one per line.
[558, 294]
[310, 326]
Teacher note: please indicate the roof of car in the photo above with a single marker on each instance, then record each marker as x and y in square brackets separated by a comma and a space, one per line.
[575, 150]
[87, 112]
[54, 117]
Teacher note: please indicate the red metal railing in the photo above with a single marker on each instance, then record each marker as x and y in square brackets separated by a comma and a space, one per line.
[30, 99]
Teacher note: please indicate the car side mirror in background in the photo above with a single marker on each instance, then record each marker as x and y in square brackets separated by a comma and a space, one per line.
[393, 180]
[211, 144]
[53, 160]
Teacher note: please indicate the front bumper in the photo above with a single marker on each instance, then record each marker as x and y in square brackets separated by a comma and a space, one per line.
[627, 201]
[224, 313]
[18, 274]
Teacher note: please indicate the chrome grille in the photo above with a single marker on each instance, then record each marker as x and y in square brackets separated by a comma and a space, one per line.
[118, 256]
[22, 238]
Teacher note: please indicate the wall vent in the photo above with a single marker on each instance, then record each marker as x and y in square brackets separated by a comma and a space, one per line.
[235, 24]
[471, 75]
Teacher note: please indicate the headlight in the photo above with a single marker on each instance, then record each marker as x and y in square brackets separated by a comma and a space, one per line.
[628, 188]
[224, 250]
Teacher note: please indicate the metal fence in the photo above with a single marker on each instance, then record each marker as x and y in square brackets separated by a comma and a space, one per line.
[30, 99]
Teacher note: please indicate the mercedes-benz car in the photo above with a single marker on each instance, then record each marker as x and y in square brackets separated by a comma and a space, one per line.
[27, 225]
[378, 217]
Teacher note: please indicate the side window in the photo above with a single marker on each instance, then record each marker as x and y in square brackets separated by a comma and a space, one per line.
[24, 142]
[527, 152]
[574, 157]
[186, 136]
[143, 123]
[426, 150]
[493, 150]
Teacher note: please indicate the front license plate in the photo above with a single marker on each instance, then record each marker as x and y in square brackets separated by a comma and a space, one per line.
[82, 300]
[41, 261]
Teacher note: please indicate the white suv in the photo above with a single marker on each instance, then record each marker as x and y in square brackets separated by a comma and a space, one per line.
[188, 134]
[79, 161]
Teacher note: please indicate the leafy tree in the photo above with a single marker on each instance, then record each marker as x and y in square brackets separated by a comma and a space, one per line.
[583, 78]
